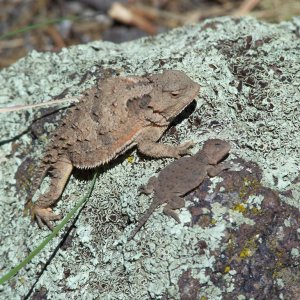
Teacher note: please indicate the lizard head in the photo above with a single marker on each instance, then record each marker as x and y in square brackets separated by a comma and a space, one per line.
[172, 91]
[215, 150]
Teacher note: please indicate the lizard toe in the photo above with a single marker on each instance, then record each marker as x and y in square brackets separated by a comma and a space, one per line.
[44, 216]
[185, 148]
[143, 189]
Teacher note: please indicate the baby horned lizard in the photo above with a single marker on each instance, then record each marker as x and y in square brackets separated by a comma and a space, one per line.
[182, 176]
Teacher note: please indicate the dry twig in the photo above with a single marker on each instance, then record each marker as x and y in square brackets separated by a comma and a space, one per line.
[246, 7]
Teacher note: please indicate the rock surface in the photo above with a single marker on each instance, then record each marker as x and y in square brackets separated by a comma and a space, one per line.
[236, 243]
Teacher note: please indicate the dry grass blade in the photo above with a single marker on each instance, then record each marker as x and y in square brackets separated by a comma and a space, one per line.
[48, 103]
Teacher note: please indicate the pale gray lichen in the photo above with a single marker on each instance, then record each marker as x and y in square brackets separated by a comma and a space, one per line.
[249, 77]
[255, 201]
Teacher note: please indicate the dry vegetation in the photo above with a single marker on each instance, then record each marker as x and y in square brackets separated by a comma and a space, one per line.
[49, 25]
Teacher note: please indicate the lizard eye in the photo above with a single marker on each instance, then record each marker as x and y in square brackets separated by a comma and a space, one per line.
[175, 93]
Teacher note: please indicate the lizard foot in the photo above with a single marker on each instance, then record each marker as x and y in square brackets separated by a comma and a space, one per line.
[184, 148]
[148, 188]
[143, 190]
[44, 216]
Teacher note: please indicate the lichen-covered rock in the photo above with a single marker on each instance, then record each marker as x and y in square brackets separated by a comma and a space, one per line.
[239, 236]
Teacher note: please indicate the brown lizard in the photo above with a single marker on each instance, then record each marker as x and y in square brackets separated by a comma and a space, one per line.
[181, 177]
[111, 117]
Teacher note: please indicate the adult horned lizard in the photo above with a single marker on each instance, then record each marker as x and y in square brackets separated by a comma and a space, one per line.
[111, 118]
[181, 177]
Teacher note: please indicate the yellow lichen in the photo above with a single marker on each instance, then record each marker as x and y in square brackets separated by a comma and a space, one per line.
[231, 244]
[249, 185]
[255, 211]
[227, 269]
[249, 249]
[246, 252]
[22, 280]
[130, 159]
[240, 207]
[213, 221]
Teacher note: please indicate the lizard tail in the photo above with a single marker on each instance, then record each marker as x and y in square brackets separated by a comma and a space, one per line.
[144, 218]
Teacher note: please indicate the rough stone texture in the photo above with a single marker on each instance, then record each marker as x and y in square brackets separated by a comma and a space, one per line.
[238, 242]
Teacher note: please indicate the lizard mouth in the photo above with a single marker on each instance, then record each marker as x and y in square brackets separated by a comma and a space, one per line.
[164, 120]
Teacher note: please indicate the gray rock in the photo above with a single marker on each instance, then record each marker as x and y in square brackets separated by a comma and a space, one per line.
[250, 79]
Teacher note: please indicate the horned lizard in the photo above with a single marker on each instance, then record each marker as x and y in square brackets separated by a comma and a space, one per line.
[181, 177]
[111, 117]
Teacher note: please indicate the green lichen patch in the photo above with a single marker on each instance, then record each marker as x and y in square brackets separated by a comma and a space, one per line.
[260, 242]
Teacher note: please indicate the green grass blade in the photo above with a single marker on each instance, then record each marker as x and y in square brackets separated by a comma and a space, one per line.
[36, 26]
[55, 231]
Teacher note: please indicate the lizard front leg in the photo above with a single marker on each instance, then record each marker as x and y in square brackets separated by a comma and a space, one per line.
[41, 209]
[147, 144]
[213, 171]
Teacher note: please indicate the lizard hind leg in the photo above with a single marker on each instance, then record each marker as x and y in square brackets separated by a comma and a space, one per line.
[41, 209]
[149, 187]
[176, 203]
